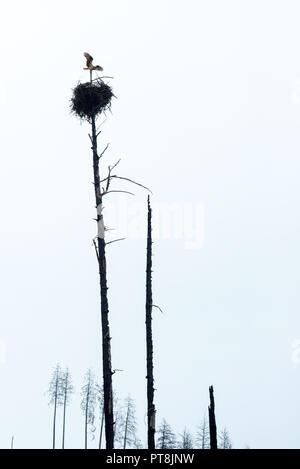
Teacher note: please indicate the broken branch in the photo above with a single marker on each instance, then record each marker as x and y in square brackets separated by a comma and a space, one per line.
[101, 154]
[126, 179]
[155, 306]
[96, 250]
[115, 240]
[124, 192]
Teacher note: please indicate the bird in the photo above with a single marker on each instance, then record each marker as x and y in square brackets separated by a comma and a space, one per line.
[89, 63]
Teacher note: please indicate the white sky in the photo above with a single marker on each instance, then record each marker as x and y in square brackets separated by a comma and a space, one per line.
[207, 113]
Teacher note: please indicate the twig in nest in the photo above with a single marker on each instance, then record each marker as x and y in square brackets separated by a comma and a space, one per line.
[100, 78]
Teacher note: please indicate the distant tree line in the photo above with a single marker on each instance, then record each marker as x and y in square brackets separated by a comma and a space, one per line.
[125, 424]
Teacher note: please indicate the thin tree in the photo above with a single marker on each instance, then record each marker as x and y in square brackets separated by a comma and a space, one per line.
[119, 422]
[224, 440]
[55, 392]
[166, 437]
[67, 389]
[202, 437]
[186, 440]
[106, 346]
[129, 424]
[149, 341]
[88, 404]
[212, 420]
[89, 101]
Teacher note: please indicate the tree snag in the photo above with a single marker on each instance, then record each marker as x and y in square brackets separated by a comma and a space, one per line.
[149, 342]
[101, 257]
[212, 420]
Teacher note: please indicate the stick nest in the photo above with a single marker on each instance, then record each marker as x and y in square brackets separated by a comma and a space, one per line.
[91, 99]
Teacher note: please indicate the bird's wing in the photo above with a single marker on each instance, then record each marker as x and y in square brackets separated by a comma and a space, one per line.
[89, 59]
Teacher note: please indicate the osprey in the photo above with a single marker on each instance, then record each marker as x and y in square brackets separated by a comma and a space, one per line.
[89, 63]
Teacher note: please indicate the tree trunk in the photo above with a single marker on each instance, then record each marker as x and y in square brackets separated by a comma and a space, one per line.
[125, 432]
[64, 417]
[149, 342]
[212, 420]
[106, 348]
[54, 415]
[101, 429]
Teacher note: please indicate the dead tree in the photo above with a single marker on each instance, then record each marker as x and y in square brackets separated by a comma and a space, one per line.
[224, 440]
[202, 437]
[129, 423]
[149, 341]
[101, 256]
[67, 390]
[212, 420]
[166, 437]
[186, 440]
[100, 397]
[55, 393]
[90, 100]
[88, 404]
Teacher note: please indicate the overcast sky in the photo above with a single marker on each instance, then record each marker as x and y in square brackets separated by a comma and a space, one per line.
[207, 114]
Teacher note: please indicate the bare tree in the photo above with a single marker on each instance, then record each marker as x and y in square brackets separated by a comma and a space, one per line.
[100, 398]
[56, 396]
[212, 420]
[129, 423]
[67, 390]
[202, 437]
[149, 340]
[89, 101]
[186, 440]
[166, 437]
[88, 404]
[101, 257]
[118, 422]
[224, 440]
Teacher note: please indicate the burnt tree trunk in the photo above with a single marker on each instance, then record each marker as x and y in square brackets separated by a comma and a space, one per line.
[212, 420]
[126, 428]
[149, 342]
[101, 428]
[106, 348]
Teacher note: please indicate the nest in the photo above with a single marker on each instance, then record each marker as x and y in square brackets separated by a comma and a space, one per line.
[91, 99]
